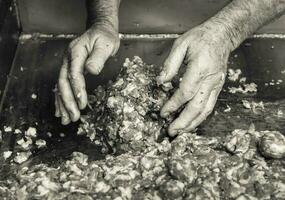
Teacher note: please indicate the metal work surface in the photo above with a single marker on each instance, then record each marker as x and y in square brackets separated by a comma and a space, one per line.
[35, 71]
[136, 16]
[9, 33]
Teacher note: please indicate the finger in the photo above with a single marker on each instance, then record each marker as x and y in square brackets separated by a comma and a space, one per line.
[66, 93]
[172, 63]
[207, 111]
[188, 87]
[64, 115]
[191, 110]
[98, 57]
[77, 57]
[197, 105]
[56, 102]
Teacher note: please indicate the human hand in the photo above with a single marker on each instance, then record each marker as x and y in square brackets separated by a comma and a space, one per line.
[205, 50]
[89, 52]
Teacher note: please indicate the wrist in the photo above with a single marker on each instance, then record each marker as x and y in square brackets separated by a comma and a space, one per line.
[234, 33]
[103, 12]
[107, 21]
[221, 34]
[241, 18]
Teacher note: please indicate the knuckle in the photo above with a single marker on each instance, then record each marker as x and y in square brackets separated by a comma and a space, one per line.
[207, 113]
[74, 51]
[177, 42]
[185, 94]
[69, 106]
[182, 97]
[70, 51]
[100, 48]
[73, 74]
[76, 48]
[72, 44]
[204, 71]
[64, 114]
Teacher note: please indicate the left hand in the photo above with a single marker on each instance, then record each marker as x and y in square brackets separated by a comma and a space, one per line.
[87, 53]
[205, 50]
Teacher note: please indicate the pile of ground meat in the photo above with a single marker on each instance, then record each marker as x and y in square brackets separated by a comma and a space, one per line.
[125, 114]
[142, 163]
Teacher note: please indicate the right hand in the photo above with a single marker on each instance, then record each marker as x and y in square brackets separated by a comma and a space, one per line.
[205, 50]
[88, 52]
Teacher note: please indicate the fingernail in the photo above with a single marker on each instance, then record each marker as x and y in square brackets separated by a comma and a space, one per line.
[93, 70]
[72, 116]
[65, 120]
[164, 115]
[191, 129]
[78, 99]
[57, 114]
[161, 77]
[162, 74]
[158, 81]
[173, 132]
[81, 104]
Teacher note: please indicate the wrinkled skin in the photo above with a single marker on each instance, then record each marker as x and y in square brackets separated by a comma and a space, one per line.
[89, 52]
[205, 52]
[203, 49]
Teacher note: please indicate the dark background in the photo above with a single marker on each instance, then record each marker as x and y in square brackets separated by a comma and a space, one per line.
[136, 16]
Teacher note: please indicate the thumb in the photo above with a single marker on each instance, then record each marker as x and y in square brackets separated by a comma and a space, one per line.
[97, 59]
[173, 62]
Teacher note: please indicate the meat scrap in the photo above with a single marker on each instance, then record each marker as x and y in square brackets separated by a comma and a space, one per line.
[147, 165]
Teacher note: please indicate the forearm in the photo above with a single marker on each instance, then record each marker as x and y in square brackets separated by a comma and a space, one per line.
[103, 11]
[241, 18]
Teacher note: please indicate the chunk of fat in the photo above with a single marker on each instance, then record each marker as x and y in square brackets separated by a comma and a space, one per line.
[126, 192]
[102, 187]
[31, 132]
[7, 154]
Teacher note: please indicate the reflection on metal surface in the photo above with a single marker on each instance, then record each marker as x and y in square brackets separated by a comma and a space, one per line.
[149, 36]
[122, 36]
[25, 36]
[270, 36]
[135, 36]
